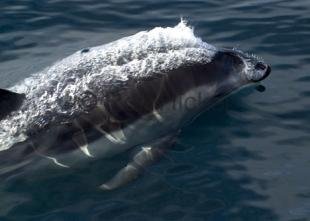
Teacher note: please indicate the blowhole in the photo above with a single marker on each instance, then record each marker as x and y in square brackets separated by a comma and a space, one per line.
[85, 50]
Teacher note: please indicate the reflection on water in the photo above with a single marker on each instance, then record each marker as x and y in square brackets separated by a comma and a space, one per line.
[246, 159]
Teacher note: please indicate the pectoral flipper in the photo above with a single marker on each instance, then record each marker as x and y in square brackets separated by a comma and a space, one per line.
[144, 158]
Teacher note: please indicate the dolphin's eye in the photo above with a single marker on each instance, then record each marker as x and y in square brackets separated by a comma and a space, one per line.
[229, 60]
[233, 58]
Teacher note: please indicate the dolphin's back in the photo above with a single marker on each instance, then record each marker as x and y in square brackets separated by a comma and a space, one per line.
[64, 91]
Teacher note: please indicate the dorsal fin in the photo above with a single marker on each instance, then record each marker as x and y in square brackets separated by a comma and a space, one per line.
[9, 101]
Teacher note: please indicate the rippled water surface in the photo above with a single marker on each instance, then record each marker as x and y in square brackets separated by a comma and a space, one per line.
[246, 159]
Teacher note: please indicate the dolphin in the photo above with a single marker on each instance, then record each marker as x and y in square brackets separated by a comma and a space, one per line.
[133, 93]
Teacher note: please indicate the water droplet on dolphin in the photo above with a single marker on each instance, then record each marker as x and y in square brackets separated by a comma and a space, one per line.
[260, 88]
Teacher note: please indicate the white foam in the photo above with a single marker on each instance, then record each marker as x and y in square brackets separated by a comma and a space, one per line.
[146, 52]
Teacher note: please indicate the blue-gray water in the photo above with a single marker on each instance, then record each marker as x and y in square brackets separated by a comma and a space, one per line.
[246, 159]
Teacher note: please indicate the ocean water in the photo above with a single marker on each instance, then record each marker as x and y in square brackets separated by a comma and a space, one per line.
[248, 158]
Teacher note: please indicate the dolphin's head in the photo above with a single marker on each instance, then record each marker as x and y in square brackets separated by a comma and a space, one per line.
[255, 69]
[231, 69]
[241, 67]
